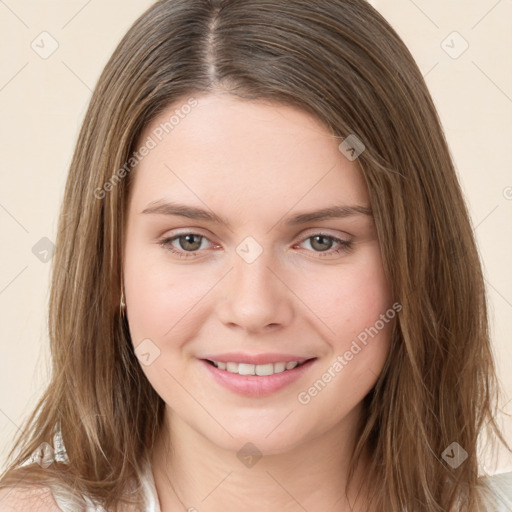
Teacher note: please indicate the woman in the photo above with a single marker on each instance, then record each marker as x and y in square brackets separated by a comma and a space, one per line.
[266, 292]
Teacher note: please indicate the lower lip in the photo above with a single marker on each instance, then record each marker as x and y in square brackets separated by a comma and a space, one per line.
[256, 385]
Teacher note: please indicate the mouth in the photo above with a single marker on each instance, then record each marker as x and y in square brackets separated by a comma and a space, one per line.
[256, 380]
[257, 369]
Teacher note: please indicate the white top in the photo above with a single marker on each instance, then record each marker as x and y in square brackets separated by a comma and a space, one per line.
[150, 494]
[152, 503]
[500, 487]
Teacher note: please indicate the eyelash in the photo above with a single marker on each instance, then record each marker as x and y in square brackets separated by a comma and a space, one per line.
[345, 245]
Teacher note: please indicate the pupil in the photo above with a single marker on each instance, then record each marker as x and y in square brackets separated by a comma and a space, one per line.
[321, 237]
[189, 239]
[319, 242]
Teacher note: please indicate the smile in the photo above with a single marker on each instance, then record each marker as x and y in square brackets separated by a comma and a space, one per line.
[256, 369]
[256, 380]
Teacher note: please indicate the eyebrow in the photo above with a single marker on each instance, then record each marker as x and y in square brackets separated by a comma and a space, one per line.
[161, 207]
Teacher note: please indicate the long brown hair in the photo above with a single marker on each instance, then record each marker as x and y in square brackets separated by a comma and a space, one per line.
[342, 62]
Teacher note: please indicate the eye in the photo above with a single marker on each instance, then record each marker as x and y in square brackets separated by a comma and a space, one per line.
[187, 242]
[322, 243]
[186, 245]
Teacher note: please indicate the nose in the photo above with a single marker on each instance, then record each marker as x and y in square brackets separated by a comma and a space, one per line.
[255, 298]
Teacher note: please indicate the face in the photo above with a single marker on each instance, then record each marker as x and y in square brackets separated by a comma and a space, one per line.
[253, 279]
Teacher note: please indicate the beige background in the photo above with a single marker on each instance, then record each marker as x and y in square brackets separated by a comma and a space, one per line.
[43, 100]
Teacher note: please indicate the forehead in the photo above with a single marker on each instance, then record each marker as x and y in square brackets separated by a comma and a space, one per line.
[250, 154]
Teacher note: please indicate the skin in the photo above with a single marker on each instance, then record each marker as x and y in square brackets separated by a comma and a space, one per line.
[254, 164]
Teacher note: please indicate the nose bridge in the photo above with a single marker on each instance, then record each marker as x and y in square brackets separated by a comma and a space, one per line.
[255, 297]
[252, 262]
[253, 278]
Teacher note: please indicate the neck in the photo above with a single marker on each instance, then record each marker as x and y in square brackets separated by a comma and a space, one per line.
[193, 474]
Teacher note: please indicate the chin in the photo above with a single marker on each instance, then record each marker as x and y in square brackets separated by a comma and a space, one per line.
[264, 440]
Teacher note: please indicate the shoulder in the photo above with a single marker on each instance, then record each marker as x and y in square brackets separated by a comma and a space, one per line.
[499, 490]
[35, 499]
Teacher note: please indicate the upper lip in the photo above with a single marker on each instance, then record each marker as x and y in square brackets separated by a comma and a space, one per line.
[238, 357]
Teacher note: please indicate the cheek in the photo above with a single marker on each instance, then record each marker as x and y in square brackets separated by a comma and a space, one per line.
[352, 298]
[151, 307]
[357, 308]
[165, 302]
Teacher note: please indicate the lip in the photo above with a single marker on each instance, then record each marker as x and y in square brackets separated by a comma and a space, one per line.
[255, 385]
[239, 357]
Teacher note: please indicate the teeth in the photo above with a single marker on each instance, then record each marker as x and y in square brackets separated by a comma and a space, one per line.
[279, 367]
[232, 367]
[255, 369]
